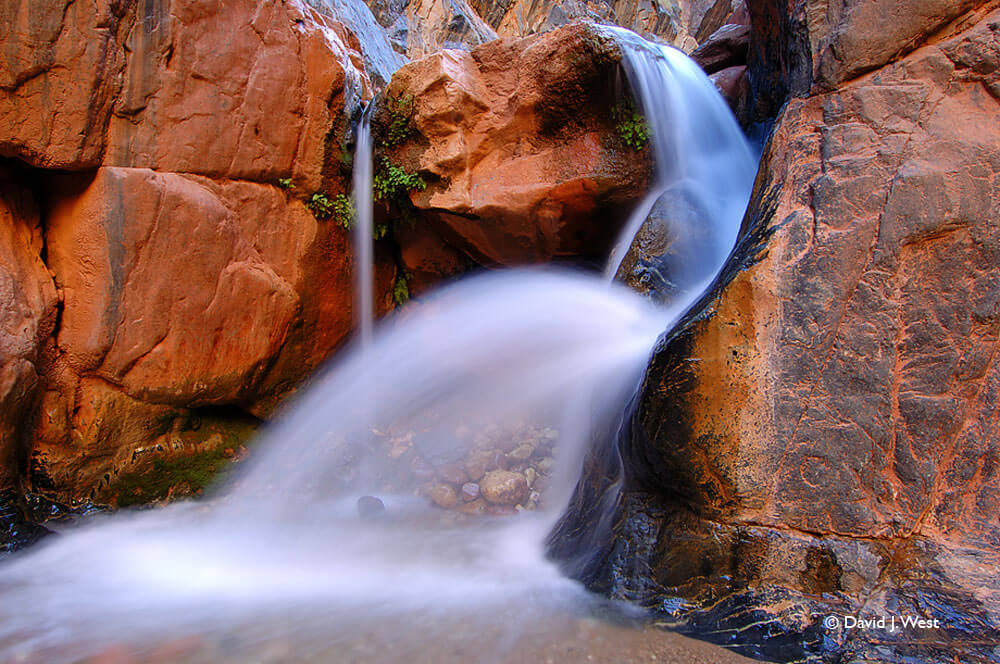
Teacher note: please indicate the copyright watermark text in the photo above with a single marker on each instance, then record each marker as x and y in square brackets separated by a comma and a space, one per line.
[891, 623]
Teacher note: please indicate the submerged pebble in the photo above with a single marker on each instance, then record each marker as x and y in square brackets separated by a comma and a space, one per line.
[370, 507]
[503, 487]
[470, 491]
[444, 495]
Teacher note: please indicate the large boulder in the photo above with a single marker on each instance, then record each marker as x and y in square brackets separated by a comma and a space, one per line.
[152, 88]
[259, 109]
[197, 283]
[192, 327]
[517, 144]
[818, 437]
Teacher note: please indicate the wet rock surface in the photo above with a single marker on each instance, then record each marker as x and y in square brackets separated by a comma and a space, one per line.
[17, 530]
[821, 420]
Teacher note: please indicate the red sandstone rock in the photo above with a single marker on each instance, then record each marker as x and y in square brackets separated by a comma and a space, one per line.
[419, 28]
[27, 312]
[827, 427]
[162, 90]
[517, 145]
[60, 68]
[192, 326]
[805, 45]
[732, 85]
[427, 259]
[819, 438]
[258, 109]
[858, 352]
[680, 24]
[726, 47]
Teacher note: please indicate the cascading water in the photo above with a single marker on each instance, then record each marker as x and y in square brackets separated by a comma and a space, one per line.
[704, 165]
[513, 361]
[363, 226]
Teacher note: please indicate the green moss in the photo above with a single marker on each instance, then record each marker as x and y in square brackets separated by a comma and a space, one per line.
[192, 472]
[400, 111]
[320, 205]
[631, 125]
[204, 456]
[286, 183]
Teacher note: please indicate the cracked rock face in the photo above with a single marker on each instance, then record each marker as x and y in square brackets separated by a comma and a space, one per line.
[188, 279]
[827, 424]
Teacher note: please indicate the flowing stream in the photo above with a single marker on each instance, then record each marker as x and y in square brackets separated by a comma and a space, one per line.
[331, 524]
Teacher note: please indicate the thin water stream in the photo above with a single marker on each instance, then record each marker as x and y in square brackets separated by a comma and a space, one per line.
[511, 373]
[364, 256]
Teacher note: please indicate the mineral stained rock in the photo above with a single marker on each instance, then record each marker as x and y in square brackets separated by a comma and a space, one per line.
[819, 437]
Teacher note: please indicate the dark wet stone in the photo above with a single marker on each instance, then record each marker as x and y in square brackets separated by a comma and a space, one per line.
[16, 530]
[370, 507]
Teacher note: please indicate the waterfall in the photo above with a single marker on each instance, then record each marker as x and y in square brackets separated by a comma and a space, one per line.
[704, 166]
[513, 369]
[363, 227]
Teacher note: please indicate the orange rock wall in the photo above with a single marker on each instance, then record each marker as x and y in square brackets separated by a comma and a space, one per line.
[187, 278]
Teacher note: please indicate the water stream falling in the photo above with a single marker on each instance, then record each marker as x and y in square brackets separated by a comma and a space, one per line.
[363, 226]
[498, 369]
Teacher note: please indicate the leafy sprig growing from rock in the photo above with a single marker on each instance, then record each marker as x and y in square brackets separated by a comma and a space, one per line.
[320, 205]
[401, 288]
[631, 125]
[343, 210]
[392, 183]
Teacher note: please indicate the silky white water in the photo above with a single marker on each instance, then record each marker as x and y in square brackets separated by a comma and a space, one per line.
[704, 165]
[284, 544]
[364, 260]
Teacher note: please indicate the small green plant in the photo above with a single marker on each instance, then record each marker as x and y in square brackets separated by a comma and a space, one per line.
[400, 112]
[346, 157]
[321, 205]
[401, 288]
[343, 210]
[392, 183]
[631, 126]
[286, 183]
